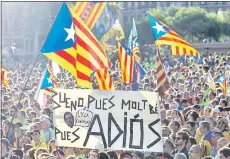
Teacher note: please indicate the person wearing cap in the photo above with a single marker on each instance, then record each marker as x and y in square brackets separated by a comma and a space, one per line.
[37, 143]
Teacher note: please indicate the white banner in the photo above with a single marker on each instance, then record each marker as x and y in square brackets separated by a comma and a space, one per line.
[107, 119]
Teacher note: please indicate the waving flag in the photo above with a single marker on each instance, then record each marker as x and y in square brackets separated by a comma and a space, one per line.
[138, 75]
[133, 43]
[15, 140]
[104, 22]
[115, 30]
[162, 83]
[60, 44]
[163, 35]
[211, 82]
[119, 31]
[54, 68]
[51, 73]
[126, 63]
[42, 94]
[89, 12]
[47, 83]
[99, 17]
[90, 54]
[223, 83]
[4, 78]
[104, 80]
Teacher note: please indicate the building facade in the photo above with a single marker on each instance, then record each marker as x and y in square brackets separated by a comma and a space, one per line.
[26, 24]
[137, 10]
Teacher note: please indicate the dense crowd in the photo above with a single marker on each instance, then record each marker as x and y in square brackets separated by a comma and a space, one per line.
[195, 119]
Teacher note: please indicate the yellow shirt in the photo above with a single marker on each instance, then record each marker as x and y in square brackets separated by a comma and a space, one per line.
[39, 145]
[227, 135]
[198, 135]
[15, 120]
[206, 147]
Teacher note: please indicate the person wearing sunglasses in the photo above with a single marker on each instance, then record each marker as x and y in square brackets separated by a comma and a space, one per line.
[181, 140]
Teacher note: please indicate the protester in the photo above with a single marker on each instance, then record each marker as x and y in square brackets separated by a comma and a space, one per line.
[195, 119]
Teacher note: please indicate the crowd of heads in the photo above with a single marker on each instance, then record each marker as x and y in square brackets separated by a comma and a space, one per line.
[195, 119]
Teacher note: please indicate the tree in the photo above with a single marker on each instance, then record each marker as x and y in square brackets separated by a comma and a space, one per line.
[144, 32]
[172, 10]
[226, 28]
[159, 14]
[226, 23]
[214, 27]
[193, 24]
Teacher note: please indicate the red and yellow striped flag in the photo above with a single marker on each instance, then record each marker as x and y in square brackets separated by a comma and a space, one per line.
[162, 83]
[89, 12]
[126, 63]
[223, 86]
[90, 54]
[164, 35]
[4, 78]
[15, 140]
[211, 82]
[50, 70]
[179, 45]
[104, 80]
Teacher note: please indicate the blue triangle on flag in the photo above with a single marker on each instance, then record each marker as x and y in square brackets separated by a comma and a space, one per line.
[127, 50]
[47, 82]
[157, 28]
[61, 35]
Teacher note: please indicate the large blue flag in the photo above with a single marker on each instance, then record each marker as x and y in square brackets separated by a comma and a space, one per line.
[60, 44]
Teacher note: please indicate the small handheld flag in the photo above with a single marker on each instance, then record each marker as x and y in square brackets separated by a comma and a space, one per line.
[223, 83]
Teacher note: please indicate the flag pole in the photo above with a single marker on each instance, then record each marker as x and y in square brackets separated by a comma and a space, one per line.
[30, 75]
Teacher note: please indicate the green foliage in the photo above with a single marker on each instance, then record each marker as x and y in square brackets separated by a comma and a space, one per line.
[227, 15]
[144, 32]
[159, 14]
[214, 27]
[226, 26]
[193, 23]
[190, 22]
[172, 10]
